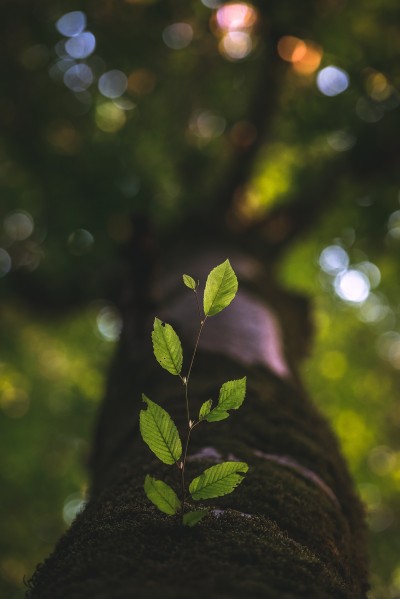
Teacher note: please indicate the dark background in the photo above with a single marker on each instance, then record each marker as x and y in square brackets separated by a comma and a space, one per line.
[190, 112]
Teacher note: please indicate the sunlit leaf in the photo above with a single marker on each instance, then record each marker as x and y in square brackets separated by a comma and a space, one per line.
[205, 409]
[167, 347]
[216, 415]
[218, 480]
[162, 495]
[192, 518]
[160, 433]
[231, 397]
[189, 282]
[221, 288]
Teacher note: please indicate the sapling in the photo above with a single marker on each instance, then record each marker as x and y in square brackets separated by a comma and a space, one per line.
[159, 430]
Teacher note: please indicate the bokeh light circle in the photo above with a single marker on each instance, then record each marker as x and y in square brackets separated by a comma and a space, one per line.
[178, 36]
[334, 259]
[81, 46]
[18, 225]
[332, 81]
[352, 286]
[72, 23]
[5, 262]
[109, 323]
[113, 84]
[236, 45]
[78, 77]
[80, 242]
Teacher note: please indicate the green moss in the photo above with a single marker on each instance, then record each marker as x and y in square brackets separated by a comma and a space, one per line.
[280, 536]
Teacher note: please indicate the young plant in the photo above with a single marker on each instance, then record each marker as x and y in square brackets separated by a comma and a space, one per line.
[157, 427]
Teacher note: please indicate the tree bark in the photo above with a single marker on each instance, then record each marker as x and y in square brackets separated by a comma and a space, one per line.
[293, 529]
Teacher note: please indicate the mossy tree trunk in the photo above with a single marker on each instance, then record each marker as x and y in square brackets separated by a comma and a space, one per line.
[294, 528]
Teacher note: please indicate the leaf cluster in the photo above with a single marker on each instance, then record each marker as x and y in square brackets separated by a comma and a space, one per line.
[159, 431]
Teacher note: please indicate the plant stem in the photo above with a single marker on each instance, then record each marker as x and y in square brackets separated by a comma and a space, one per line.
[183, 469]
[202, 323]
[186, 380]
[190, 425]
[198, 305]
[187, 403]
[184, 463]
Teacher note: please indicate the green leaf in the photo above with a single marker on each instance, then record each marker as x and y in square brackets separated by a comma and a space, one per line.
[161, 495]
[205, 409]
[192, 518]
[221, 288]
[216, 415]
[231, 397]
[189, 282]
[218, 480]
[160, 433]
[167, 347]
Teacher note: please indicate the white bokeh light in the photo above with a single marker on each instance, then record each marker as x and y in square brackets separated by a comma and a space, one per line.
[394, 224]
[208, 124]
[18, 225]
[236, 45]
[374, 309]
[352, 286]
[113, 84]
[80, 242]
[73, 505]
[372, 271]
[178, 36]
[78, 77]
[334, 259]
[332, 81]
[341, 141]
[5, 262]
[109, 323]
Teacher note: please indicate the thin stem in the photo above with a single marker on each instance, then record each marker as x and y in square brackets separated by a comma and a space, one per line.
[184, 462]
[183, 468]
[187, 403]
[186, 380]
[190, 424]
[198, 305]
[202, 323]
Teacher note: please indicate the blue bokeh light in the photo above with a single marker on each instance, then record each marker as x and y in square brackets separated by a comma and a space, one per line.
[72, 23]
[81, 45]
[332, 81]
[78, 78]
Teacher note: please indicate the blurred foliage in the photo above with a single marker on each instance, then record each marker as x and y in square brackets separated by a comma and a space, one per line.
[214, 107]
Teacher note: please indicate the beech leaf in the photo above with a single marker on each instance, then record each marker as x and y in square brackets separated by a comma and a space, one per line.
[189, 282]
[221, 287]
[218, 480]
[167, 347]
[205, 409]
[161, 495]
[192, 518]
[160, 433]
[231, 397]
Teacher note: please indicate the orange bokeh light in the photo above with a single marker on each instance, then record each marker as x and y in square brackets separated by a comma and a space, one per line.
[305, 56]
[291, 49]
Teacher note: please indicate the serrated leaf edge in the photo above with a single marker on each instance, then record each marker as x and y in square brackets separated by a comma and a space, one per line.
[147, 400]
[153, 481]
[161, 323]
[239, 471]
[227, 264]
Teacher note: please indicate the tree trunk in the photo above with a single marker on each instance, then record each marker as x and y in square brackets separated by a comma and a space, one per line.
[294, 528]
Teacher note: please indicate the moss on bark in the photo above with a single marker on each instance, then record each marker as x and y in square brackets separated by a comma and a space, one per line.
[279, 535]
